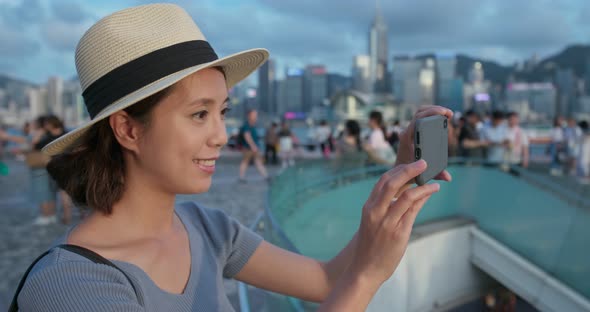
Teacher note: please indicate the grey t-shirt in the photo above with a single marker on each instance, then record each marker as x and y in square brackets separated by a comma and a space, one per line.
[220, 246]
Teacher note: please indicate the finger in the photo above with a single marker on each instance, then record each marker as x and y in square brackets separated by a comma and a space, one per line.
[444, 176]
[407, 220]
[426, 112]
[399, 179]
[388, 175]
[407, 200]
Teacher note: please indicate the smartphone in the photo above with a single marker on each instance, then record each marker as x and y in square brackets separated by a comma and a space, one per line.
[431, 143]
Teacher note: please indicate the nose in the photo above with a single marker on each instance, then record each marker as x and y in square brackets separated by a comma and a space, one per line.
[218, 137]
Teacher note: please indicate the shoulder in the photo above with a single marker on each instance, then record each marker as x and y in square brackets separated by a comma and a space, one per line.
[64, 281]
[213, 224]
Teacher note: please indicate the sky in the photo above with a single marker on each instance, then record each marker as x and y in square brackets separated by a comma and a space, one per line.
[38, 37]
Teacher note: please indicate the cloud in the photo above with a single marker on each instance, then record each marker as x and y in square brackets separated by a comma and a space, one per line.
[62, 36]
[22, 14]
[518, 27]
[69, 11]
[15, 45]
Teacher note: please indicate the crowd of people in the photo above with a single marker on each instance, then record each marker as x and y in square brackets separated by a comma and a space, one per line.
[376, 144]
[26, 146]
[495, 139]
[498, 139]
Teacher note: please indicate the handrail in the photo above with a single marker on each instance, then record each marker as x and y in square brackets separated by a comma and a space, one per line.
[242, 287]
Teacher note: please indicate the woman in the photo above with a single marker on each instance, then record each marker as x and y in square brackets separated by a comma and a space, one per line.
[150, 139]
[286, 146]
[378, 148]
[349, 149]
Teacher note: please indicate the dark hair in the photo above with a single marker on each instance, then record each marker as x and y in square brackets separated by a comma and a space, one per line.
[512, 114]
[92, 170]
[470, 113]
[40, 121]
[556, 122]
[353, 129]
[583, 125]
[377, 117]
[54, 122]
[497, 115]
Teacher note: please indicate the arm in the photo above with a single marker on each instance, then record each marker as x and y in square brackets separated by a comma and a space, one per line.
[350, 280]
[467, 143]
[250, 141]
[12, 138]
[319, 277]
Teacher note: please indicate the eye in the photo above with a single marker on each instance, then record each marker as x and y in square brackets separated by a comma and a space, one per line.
[224, 112]
[201, 115]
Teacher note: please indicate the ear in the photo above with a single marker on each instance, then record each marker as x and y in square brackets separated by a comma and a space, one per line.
[126, 130]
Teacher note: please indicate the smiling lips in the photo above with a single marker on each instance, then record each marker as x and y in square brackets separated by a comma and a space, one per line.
[207, 165]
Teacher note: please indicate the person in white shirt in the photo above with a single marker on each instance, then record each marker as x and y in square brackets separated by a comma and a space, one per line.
[377, 147]
[583, 157]
[323, 136]
[497, 137]
[557, 146]
[572, 134]
[519, 142]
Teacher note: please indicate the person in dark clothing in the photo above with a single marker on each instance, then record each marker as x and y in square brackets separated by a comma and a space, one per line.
[249, 141]
[271, 140]
[469, 140]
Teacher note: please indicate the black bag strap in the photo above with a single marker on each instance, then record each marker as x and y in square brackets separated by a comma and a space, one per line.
[86, 253]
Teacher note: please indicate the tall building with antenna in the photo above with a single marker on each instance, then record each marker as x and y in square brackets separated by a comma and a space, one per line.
[379, 74]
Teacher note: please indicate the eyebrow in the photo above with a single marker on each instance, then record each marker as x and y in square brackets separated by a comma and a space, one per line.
[207, 101]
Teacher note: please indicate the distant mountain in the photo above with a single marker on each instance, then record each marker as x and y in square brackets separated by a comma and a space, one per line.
[496, 73]
[6, 80]
[575, 57]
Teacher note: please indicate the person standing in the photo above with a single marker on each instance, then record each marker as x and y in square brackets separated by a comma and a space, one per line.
[377, 147]
[519, 142]
[572, 134]
[469, 139]
[583, 157]
[497, 137]
[271, 140]
[286, 146]
[323, 136]
[557, 147]
[250, 141]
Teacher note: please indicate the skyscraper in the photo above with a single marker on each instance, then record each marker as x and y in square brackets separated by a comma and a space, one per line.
[293, 90]
[361, 80]
[36, 102]
[315, 87]
[449, 88]
[266, 86]
[406, 80]
[565, 80]
[379, 75]
[55, 96]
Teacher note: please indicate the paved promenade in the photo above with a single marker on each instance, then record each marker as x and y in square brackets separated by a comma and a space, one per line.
[21, 242]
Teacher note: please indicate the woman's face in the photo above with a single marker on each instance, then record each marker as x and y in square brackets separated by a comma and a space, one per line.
[372, 123]
[186, 132]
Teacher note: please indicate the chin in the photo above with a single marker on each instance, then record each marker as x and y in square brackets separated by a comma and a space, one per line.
[200, 187]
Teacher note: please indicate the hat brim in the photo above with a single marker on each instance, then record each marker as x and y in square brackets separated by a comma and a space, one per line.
[236, 67]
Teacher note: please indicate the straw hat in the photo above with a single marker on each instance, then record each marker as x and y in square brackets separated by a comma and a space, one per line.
[134, 53]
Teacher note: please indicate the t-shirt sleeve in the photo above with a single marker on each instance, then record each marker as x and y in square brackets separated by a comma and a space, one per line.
[233, 242]
[78, 286]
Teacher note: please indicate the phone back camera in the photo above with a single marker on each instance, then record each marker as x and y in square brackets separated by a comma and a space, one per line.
[445, 123]
[418, 153]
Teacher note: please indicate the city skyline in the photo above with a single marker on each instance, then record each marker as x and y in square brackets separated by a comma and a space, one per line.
[39, 36]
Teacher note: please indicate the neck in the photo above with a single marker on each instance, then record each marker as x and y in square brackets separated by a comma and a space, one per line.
[145, 209]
